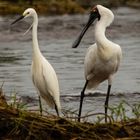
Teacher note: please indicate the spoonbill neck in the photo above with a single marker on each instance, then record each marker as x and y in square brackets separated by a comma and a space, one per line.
[100, 29]
[36, 50]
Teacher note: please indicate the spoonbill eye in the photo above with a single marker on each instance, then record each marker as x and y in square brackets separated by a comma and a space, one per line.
[94, 9]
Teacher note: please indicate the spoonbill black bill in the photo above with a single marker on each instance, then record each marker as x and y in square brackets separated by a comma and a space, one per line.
[102, 59]
[43, 74]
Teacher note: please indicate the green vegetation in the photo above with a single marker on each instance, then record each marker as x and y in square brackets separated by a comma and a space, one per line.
[17, 103]
[119, 113]
[18, 124]
[42, 7]
[116, 113]
[59, 6]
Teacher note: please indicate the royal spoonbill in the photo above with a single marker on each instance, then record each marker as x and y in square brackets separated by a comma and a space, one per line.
[102, 58]
[43, 74]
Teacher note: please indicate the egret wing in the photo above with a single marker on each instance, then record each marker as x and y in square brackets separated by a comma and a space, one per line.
[51, 82]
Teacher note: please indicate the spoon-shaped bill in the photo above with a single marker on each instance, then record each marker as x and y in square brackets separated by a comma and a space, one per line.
[93, 16]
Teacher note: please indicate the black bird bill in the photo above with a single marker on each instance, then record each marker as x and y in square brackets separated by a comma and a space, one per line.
[20, 18]
[92, 17]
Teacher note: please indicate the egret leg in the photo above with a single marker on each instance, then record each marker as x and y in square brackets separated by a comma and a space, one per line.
[106, 101]
[40, 105]
[81, 100]
[56, 109]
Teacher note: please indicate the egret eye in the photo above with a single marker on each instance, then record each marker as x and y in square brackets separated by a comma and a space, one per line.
[28, 13]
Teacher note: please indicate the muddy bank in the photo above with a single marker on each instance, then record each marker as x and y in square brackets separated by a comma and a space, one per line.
[17, 125]
[20, 125]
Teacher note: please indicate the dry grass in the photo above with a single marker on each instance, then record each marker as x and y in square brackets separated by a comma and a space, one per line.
[16, 124]
[23, 125]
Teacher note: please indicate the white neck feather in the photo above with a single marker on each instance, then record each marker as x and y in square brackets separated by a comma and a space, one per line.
[104, 45]
[105, 20]
[36, 50]
[100, 29]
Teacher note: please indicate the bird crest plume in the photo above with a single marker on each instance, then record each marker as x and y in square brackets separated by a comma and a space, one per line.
[28, 30]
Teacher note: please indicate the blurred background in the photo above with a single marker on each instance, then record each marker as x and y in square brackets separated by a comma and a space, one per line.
[60, 6]
[60, 22]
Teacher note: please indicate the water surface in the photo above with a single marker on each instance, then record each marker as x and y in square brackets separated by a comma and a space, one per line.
[56, 35]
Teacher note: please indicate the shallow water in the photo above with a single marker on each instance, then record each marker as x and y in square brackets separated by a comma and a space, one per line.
[56, 35]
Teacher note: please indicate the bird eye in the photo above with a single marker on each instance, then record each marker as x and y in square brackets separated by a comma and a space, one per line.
[94, 9]
[28, 13]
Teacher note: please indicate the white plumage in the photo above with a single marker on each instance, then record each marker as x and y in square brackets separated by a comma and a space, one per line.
[102, 58]
[43, 74]
[101, 64]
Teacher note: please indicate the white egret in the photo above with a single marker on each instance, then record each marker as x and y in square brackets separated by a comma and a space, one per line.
[43, 74]
[103, 58]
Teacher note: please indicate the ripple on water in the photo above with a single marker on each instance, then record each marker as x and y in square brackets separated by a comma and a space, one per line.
[56, 35]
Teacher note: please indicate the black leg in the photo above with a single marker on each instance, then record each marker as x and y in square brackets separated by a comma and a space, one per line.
[57, 110]
[40, 105]
[106, 101]
[81, 101]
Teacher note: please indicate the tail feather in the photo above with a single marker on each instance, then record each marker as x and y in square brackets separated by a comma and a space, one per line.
[53, 103]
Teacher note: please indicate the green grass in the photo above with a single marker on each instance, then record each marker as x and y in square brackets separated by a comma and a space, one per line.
[17, 123]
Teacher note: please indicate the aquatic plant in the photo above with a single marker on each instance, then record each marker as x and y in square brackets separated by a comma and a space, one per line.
[119, 112]
[16, 102]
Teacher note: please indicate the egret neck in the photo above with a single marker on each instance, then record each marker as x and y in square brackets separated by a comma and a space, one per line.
[36, 50]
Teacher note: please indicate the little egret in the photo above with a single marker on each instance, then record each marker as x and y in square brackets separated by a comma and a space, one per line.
[43, 74]
[103, 58]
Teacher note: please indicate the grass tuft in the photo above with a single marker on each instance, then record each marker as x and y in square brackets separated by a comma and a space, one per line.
[17, 124]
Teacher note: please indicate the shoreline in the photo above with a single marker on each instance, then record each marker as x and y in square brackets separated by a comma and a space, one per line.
[16, 123]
